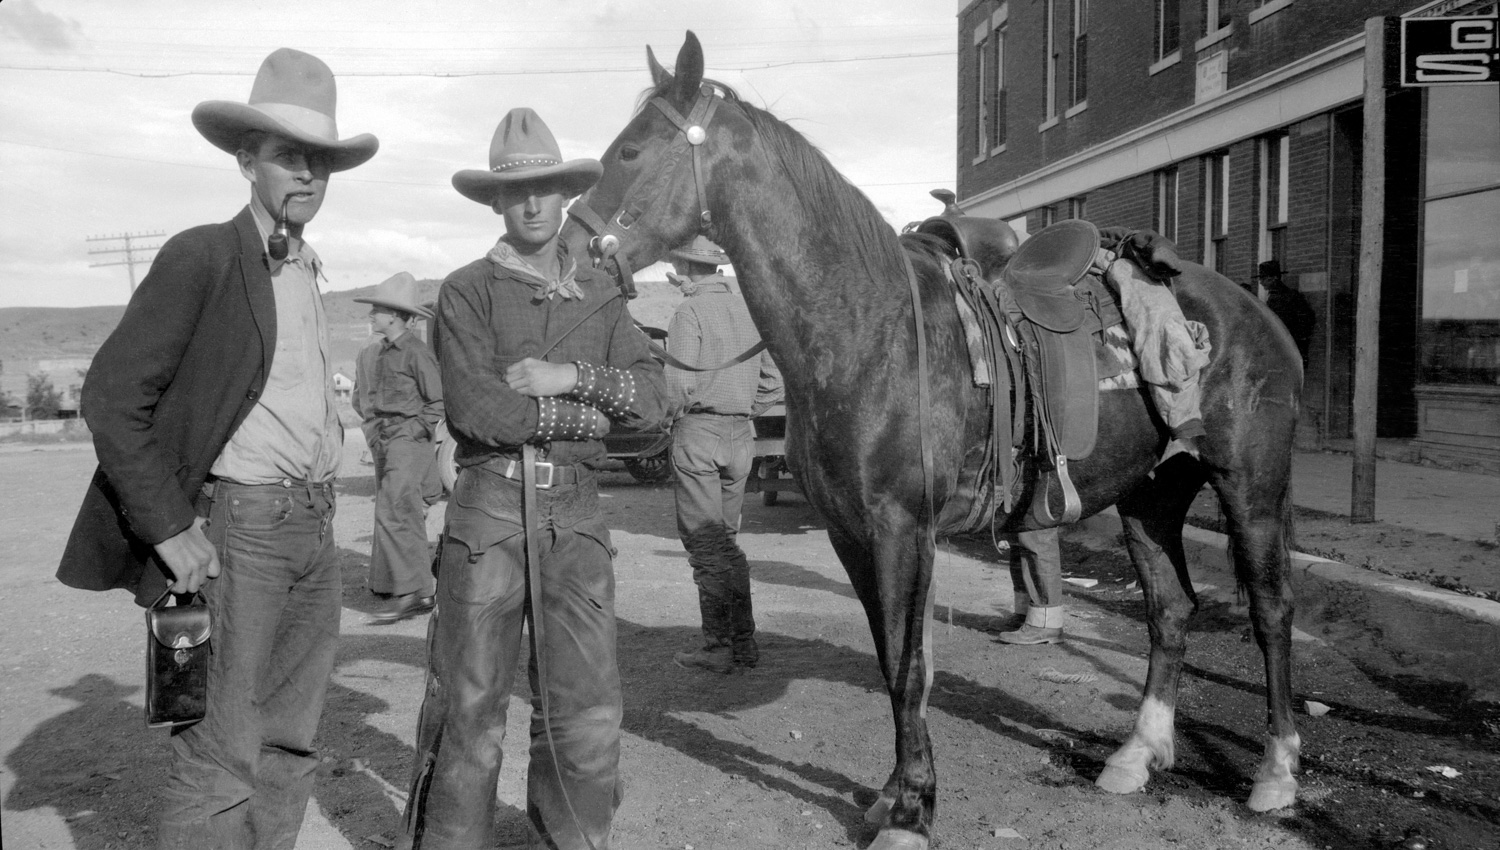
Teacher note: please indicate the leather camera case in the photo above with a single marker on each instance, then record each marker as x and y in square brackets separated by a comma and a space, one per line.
[177, 652]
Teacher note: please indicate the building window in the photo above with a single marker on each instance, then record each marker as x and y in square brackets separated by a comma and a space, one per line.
[1165, 212]
[1275, 180]
[1265, 8]
[1049, 215]
[1216, 211]
[1049, 59]
[1459, 341]
[983, 81]
[1215, 16]
[997, 121]
[1077, 207]
[1168, 31]
[1080, 56]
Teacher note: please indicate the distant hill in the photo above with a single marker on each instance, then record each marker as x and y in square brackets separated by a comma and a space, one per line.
[30, 335]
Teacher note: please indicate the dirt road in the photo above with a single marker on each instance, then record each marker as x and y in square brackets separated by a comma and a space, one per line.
[787, 756]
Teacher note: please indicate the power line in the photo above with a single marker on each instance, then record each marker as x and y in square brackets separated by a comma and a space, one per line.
[130, 251]
[457, 74]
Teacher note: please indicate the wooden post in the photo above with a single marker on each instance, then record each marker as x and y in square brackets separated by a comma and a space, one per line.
[1371, 255]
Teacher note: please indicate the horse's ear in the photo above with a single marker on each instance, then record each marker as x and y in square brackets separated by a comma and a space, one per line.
[689, 75]
[659, 74]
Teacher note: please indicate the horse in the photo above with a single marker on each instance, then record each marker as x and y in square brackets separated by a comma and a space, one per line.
[827, 285]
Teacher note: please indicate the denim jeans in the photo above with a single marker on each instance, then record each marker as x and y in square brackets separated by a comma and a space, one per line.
[475, 644]
[711, 458]
[1036, 566]
[240, 778]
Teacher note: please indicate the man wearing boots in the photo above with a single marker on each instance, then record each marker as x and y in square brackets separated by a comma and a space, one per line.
[400, 401]
[536, 350]
[712, 447]
[217, 460]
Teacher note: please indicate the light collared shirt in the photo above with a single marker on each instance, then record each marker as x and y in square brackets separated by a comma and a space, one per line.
[293, 431]
[712, 325]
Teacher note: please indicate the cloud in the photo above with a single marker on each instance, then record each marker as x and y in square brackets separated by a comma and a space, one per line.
[42, 30]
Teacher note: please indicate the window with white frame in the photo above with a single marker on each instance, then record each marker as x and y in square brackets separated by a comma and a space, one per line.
[1049, 58]
[981, 91]
[998, 118]
[1165, 203]
[1215, 16]
[1077, 207]
[1168, 28]
[1079, 59]
[1216, 211]
[1275, 180]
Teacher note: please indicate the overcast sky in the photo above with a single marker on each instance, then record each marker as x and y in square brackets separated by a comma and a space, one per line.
[96, 140]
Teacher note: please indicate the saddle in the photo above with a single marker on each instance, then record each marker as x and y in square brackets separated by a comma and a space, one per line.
[1036, 319]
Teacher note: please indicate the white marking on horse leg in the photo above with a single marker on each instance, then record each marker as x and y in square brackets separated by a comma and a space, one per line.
[898, 839]
[1275, 787]
[1150, 745]
[881, 808]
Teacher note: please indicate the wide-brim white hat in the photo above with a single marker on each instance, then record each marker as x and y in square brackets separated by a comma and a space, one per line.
[398, 292]
[293, 96]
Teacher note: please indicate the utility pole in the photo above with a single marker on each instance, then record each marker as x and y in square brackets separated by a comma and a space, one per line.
[133, 253]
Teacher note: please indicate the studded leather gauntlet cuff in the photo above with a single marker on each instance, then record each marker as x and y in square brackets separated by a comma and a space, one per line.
[560, 419]
[609, 390]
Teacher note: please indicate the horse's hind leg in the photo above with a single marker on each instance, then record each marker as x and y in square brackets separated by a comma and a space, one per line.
[892, 582]
[1258, 510]
[1152, 516]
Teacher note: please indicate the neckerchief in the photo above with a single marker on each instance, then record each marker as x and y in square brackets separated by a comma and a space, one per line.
[504, 256]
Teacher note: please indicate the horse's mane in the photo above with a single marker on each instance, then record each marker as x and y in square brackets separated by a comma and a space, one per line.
[819, 186]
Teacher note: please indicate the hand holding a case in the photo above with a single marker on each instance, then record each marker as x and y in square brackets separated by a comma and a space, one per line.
[190, 557]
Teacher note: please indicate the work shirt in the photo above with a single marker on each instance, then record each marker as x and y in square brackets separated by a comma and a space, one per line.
[294, 430]
[398, 380]
[489, 319]
[712, 325]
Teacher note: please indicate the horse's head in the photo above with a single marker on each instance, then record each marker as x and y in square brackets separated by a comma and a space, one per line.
[653, 196]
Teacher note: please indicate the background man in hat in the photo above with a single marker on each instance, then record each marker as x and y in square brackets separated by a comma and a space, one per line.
[217, 460]
[1288, 304]
[536, 350]
[400, 401]
[712, 447]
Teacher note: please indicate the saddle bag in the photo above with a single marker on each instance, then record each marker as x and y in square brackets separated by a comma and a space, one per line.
[177, 651]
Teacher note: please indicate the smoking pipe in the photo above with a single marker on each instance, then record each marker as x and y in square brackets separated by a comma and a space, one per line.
[276, 243]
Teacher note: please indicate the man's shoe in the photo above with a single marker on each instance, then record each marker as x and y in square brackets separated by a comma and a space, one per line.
[715, 659]
[1029, 635]
[403, 608]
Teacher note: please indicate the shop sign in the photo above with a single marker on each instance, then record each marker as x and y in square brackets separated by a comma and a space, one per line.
[1444, 51]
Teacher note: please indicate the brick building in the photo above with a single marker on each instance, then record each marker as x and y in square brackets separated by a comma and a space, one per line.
[1236, 128]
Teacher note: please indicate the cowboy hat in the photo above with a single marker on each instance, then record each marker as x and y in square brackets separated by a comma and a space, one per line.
[700, 250]
[398, 292]
[524, 151]
[293, 96]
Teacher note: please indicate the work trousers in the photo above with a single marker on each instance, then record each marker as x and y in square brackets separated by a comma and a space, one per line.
[711, 457]
[1170, 348]
[240, 778]
[1036, 566]
[405, 484]
[475, 644]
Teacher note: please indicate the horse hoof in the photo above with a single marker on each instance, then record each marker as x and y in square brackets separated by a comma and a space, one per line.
[876, 813]
[1271, 794]
[1118, 780]
[898, 839]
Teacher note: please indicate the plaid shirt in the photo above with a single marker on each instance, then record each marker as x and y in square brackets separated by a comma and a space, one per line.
[712, 326]
[488, 319]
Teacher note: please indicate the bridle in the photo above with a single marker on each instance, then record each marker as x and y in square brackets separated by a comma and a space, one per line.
[608, 236]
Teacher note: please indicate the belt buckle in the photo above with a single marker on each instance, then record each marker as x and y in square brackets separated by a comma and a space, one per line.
[540, 485]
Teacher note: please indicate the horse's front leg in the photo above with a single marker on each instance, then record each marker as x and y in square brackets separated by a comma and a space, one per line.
[892, 577]
[1152, 517]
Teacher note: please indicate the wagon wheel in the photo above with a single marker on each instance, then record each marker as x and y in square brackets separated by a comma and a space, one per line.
[651, 469]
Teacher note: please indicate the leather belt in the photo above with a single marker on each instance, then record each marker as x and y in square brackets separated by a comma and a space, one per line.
[548, 475]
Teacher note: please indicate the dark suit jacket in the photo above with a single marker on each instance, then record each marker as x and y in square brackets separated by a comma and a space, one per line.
[162, 397]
